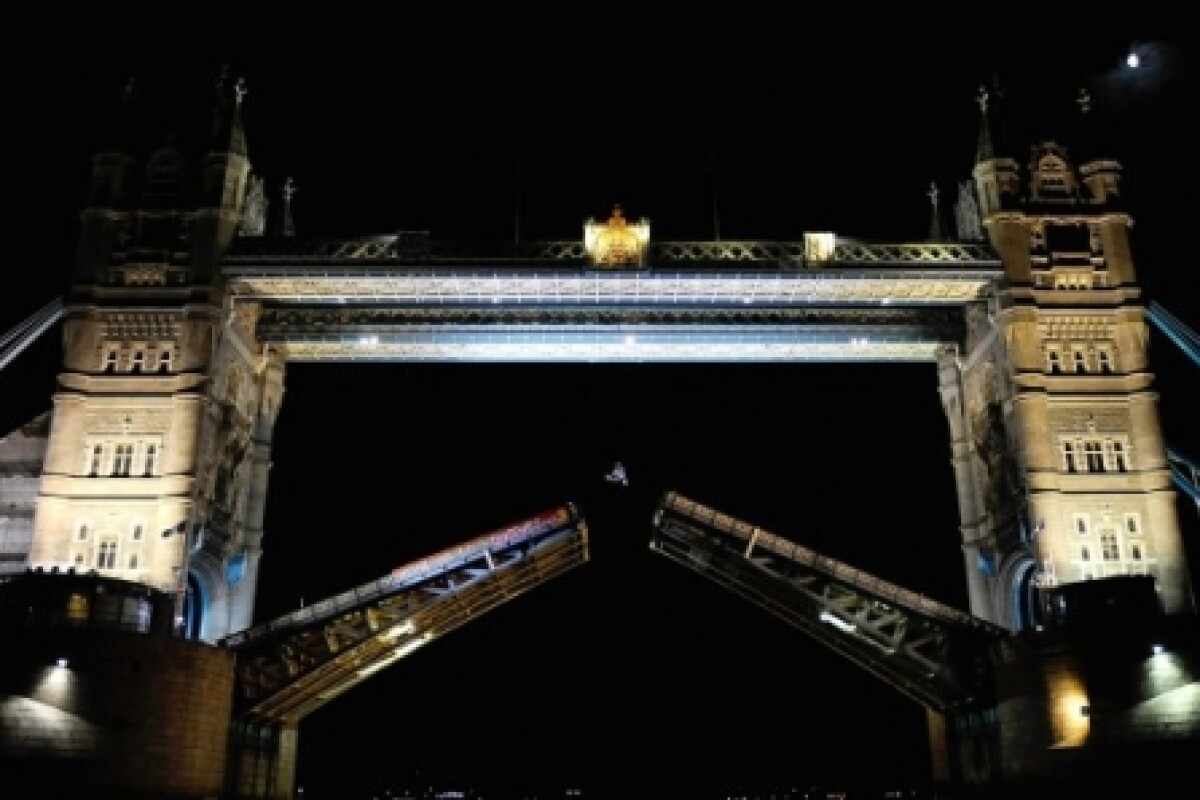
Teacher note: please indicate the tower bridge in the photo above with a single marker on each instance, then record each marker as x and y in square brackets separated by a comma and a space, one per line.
[184, 312]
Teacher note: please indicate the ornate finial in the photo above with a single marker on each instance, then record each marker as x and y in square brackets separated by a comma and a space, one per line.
[933, 193]
[616, 243]
[239, 91]
[289, 189]
[1084, 100]
[982, 99]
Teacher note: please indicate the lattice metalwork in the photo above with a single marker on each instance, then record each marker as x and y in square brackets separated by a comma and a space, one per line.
[278, 284]
[508, 333]
[294, 665]
[941, 657]
[419, 247]
[408, 297]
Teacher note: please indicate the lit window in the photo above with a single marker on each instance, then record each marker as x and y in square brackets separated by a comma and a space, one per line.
[139, 360]
[1093, 454]
[150, 462]
[1110, 550]
[1069, 457]
[81, 534]
[164, 360]
[1054, 362]
[123, 462]
[136, 533]
[1106, 365]
[110, 361]
[133, 561]
[1117, 451]
[1132, 525]
[107, 554]
[1078, 359]
[1135, 551]
[79, 559]
[1081, 524]
[97, 460]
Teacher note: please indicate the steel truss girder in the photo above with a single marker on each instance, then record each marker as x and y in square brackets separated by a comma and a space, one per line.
[461, 285]
[938, 656]
[307, 333]
[289, 670]
[419, 247]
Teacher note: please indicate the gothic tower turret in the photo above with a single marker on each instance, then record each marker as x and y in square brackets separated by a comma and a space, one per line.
[225, 180]
[997, 179]
[156, 465]
[1060, 461]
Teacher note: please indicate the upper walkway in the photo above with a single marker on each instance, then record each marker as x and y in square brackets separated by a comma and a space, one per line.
[407, 297]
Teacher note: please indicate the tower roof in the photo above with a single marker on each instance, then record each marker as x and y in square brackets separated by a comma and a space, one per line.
[993, 141]
[228, 134]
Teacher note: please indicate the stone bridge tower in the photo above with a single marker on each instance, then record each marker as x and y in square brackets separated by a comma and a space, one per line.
[156, 468]
[1060, 464]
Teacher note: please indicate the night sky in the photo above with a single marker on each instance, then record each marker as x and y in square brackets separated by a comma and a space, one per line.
[629, 669]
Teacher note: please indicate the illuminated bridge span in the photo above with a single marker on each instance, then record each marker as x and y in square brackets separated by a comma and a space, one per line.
[295, 664]
[408, 298]
[937, 655]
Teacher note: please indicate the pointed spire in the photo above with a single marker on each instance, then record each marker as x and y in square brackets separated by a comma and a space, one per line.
[935, 224]
[1084, 101]
[228, 133]
[1088, 139]
[289, 190]
[984, 151]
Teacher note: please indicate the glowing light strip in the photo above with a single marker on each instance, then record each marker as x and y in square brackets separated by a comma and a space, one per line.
[591, 288]
[836, 622]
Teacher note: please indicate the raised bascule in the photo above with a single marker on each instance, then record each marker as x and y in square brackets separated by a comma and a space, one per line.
[136, 522]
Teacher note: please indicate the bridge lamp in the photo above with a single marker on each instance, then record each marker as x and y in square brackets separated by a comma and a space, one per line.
[836, 622]
[62, 662]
